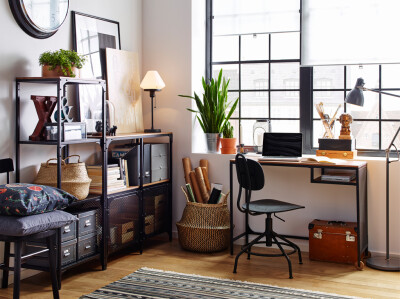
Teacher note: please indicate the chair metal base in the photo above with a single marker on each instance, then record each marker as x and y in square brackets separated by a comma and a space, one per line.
[271, 238]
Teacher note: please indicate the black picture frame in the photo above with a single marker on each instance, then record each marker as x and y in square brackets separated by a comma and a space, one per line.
[91, 36]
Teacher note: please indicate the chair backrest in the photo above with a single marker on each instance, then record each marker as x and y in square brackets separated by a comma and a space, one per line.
[249, 173]
[6, 165]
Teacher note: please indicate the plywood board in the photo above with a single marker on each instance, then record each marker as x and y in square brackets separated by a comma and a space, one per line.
[123, 90]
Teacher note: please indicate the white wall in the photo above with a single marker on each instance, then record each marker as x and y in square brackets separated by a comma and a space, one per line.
[176, 52]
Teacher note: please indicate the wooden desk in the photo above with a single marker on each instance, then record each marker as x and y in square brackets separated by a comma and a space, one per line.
[360, 184]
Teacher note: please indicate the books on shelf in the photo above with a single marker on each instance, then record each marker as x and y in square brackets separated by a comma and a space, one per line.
[338, 177]
[114, 181]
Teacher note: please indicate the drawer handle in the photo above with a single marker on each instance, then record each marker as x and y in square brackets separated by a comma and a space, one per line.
[87, 247]
[67, 229]
[87, 223]
[66, 253]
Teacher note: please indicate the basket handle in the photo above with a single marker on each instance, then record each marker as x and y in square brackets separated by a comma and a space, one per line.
[47, 163]
[186, 195]
[79, 158]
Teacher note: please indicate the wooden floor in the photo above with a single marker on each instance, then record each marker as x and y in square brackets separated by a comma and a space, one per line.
[161, 254]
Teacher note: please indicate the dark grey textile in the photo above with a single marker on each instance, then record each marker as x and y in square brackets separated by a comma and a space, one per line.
[28, 225]
[271, 206]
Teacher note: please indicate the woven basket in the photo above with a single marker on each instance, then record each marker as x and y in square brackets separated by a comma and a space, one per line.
[204, 227]
[74, 177]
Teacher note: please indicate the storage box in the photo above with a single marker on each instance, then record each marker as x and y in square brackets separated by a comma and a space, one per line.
[149, 224]
[337, 144]
[126, 231]
[69, 131]
[159, 162]
[333, 241]
[337, 154]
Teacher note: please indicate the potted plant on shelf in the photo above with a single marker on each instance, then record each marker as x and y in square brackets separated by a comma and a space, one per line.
[61, 63]
[211, 111]
[228, 143]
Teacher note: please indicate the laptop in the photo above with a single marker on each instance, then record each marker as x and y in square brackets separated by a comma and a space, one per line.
[282, 147]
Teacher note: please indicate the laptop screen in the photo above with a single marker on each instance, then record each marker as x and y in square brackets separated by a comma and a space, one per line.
[283, 144]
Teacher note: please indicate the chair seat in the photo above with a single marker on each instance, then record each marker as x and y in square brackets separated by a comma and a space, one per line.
[266, 206]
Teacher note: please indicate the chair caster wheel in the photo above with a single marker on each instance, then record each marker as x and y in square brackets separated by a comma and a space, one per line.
[361, 267]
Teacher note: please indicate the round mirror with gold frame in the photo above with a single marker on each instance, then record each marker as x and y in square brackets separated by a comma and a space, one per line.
[40, 18]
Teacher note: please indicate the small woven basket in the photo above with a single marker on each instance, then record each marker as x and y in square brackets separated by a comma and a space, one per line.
[74, 177]
[204, 227]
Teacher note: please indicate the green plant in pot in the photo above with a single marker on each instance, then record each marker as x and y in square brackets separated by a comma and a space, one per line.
[212, 109]
[61, 63]
[228, 143]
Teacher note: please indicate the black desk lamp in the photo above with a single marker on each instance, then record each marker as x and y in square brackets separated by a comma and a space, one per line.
[385, 263]
[152, 82]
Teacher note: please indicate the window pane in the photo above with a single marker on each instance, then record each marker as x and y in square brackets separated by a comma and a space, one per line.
[285, 76]
[289, 126]
[255, 104]
[366, 134]
[255, 47]
[247, 126]
[370, 110]
[330, 100]
[370, 74]
[225, 48]
[390, 75]
[254, 76]
[229, 71]
[328, 77]
[389, 129]
[285, 45]
[391, 106]
[232, 96]
[284, 104]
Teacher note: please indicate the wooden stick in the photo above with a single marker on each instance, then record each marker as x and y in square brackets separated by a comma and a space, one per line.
[320, 111]
[187, 168]
[195, 187]
[206, 179]
[201, 184]
[204, 163]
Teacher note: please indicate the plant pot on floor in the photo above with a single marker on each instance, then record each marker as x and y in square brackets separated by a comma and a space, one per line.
[48, 73]
[228, 146]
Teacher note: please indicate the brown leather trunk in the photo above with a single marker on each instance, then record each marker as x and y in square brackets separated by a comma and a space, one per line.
[333, 241]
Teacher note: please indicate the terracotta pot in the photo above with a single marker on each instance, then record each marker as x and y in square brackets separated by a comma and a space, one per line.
[46, 72]
[228, 146]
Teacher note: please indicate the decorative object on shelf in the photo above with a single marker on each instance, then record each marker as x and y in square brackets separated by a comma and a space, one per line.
[45, 106]
[124, 91]
[228, 143]
[65, 111]
[327, 121]
[61, 63]
[204, 227]
[69, 131]
[385, 263]
[211, 111]
[109, 131]
[103, 34]
[260, 127]
[39, 19]
[345, 119]
[74, 178]
[152, 82]
[337, 148]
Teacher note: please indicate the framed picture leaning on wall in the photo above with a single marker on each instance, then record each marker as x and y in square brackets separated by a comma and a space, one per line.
[91, 36]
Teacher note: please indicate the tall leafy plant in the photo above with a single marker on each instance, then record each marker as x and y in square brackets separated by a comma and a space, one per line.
[211, 110]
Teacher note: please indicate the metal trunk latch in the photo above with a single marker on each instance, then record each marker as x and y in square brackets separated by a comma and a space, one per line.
[318, 234]
[349, 237]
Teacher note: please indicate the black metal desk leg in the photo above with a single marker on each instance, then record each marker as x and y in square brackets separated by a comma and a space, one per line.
[231, 204]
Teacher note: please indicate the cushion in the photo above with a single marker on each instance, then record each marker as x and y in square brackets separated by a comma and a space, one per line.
[29, 199]
[28, 225]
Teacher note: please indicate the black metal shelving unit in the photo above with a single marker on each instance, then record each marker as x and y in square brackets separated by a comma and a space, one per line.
[104, 201]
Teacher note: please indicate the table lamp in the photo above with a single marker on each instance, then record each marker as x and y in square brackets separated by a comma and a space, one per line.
[152, 82]
[385, 263]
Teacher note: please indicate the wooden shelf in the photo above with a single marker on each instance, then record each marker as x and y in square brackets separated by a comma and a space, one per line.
[319, 181]
[132, 188]
[52, 80]
[54, 142]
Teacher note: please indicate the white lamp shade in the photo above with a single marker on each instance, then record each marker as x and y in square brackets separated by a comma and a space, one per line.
[152, 80]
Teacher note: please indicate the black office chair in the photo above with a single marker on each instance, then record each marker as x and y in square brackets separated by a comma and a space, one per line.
[250, 176]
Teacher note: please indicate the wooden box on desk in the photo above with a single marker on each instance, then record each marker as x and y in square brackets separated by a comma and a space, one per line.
[337, 154]
[333, 241]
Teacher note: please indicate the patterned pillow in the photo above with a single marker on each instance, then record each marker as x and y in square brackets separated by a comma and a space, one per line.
[28, 199]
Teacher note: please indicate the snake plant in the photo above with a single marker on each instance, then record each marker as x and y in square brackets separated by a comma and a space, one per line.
[211, 111]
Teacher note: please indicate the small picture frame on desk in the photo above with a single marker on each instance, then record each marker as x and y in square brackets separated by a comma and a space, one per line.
[70, 131]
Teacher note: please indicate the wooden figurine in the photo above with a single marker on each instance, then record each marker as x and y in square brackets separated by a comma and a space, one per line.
[345, 120]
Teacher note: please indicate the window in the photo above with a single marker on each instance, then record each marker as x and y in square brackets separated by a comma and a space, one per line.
[263, 68]
[262, 60]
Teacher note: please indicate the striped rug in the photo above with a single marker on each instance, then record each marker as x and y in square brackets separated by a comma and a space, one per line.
[151, 283]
